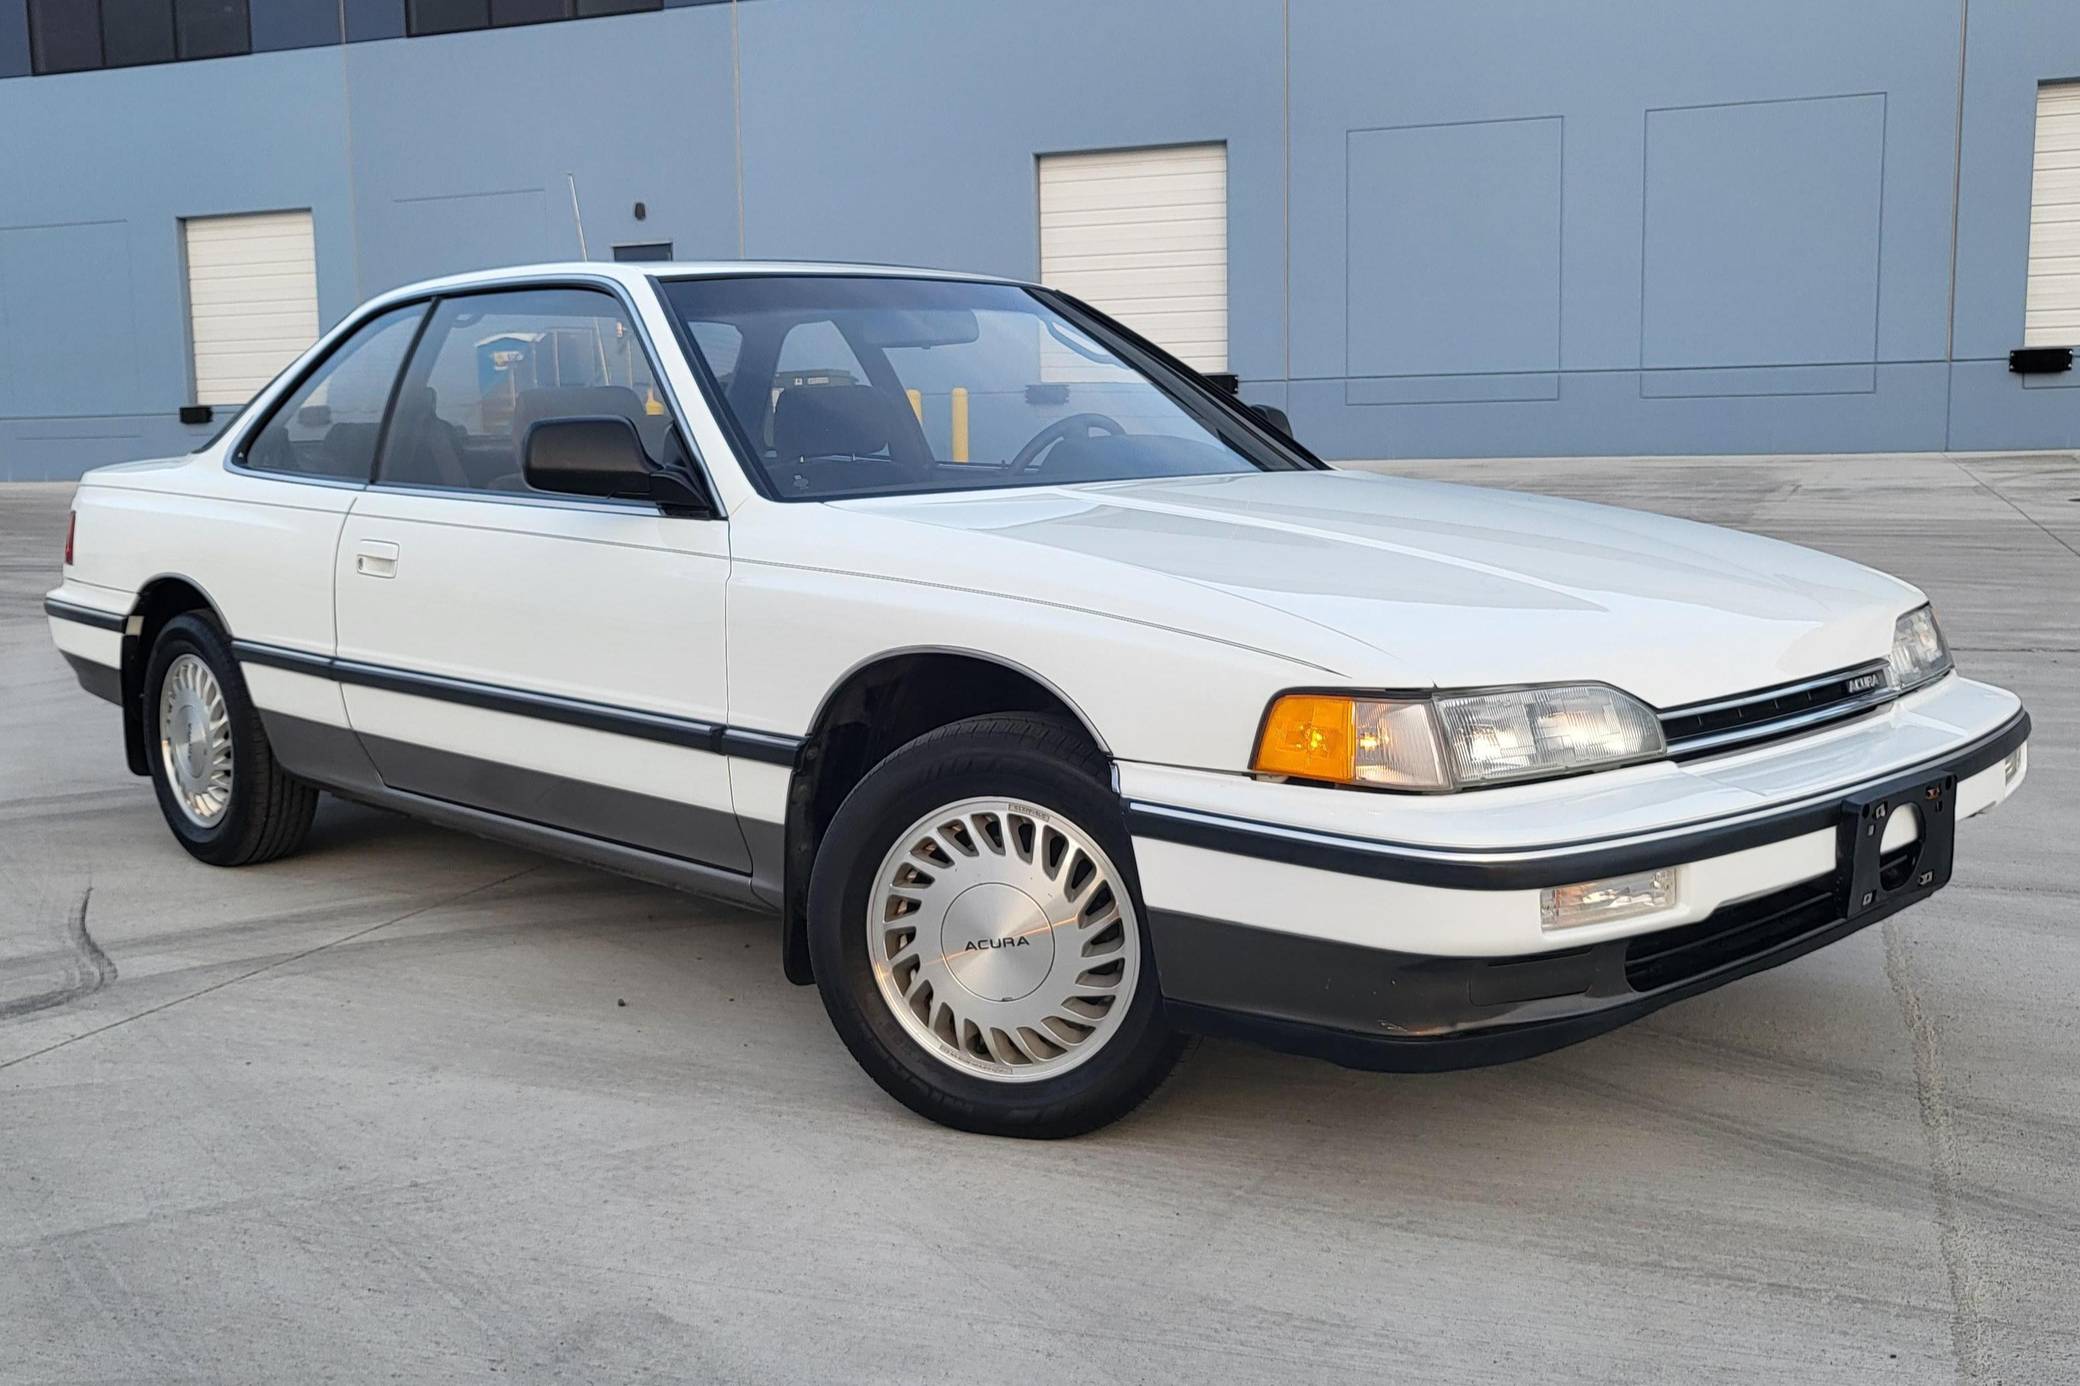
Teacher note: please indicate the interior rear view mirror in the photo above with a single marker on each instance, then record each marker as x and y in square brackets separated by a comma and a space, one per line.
[919, 327]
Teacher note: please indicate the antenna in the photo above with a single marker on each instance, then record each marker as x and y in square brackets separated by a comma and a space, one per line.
[577, 216]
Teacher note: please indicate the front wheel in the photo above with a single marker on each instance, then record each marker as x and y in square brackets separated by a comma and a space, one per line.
[976, 932]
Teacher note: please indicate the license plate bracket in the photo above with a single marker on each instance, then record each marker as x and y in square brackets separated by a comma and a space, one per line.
[1866, 880]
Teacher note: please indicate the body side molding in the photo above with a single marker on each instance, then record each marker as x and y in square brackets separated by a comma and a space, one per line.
[712, 737]
[83, 615]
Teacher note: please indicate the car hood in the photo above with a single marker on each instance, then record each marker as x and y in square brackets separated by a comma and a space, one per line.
[1462, 586]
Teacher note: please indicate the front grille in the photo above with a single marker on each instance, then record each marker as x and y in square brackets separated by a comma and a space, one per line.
[1725, 723]
[1730, 935]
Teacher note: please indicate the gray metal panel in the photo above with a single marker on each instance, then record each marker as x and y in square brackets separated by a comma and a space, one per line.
[60, 287]
[665, 826]
[466, 175]
[1762, 233]
[461, 174]
[768, 844]
[1454, 264]
[374, 19]
[281, 24]
[608, 856]
[333, 758]
[104, 681]
[320, 752]
[14, 38]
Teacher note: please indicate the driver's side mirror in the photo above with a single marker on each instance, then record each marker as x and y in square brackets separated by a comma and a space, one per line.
[602, 456]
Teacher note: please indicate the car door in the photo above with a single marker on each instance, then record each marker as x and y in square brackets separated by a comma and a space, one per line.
[550, 659]
[273, 528]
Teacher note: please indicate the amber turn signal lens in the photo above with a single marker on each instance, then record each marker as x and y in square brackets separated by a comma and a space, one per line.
[1309, 736]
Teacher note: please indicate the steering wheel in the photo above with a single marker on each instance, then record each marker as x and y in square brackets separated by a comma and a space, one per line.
[1028, 458]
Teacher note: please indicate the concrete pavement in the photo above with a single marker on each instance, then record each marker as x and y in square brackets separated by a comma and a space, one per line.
[414, 1106]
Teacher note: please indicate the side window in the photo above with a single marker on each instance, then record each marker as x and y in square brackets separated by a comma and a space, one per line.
[490, 365]
[327, 426]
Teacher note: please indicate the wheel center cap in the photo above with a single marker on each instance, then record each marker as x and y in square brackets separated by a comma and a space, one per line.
[187, 732]
[996, 942]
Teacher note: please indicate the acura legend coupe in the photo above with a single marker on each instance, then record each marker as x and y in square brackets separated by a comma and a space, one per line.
[1062, 705]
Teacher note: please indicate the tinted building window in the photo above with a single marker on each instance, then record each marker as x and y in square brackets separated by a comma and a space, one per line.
[64, 35]
[80, 35]
[136, 31]
[212, 28]
[451, 16]
[448, 16]
[327, 426]
[527, 11]
[644, 251]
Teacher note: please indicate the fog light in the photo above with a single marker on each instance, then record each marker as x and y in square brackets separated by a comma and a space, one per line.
[1608, 900]
[2012, 766]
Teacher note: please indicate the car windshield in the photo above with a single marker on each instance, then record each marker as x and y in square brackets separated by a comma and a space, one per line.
[860, 385]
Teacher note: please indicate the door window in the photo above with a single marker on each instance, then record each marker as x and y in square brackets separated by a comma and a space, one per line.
[491, 365]
[327, 426]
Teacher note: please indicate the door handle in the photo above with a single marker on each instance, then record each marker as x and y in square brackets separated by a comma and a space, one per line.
[374, 558]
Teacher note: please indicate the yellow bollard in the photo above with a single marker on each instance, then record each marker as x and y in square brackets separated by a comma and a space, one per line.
[916, 404]
[960, 423]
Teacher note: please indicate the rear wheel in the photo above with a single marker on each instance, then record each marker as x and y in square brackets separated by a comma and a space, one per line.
[225, 797]
[976, 931]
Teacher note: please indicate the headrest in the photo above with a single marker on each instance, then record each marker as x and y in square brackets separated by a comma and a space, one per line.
[834, 421]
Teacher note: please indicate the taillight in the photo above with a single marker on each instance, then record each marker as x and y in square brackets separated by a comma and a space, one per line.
[71, 528]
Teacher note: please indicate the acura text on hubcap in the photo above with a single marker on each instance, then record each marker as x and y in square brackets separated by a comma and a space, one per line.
[195, 740]
[1003, 939]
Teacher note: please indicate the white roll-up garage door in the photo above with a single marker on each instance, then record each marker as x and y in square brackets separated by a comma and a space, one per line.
[2052, 314]
[252, 299]
[1143, 235]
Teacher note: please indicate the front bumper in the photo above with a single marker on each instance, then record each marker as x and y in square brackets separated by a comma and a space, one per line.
[1393, 955]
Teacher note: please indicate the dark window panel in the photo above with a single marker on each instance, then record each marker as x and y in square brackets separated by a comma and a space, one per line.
[135, 31]
[212, 28]
[588, 8]
[644, 251]
[449, 16]
[528, 11]
[64, 35]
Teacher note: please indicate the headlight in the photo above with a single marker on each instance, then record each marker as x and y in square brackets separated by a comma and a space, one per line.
[1455, 740]
[1918, 651]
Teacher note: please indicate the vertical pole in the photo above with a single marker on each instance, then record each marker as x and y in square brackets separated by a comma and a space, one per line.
[960, 423]
[916, 403]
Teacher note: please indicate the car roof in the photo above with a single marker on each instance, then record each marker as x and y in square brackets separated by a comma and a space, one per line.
[634, 272]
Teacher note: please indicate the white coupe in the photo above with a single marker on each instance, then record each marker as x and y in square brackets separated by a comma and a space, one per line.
[1062, 705]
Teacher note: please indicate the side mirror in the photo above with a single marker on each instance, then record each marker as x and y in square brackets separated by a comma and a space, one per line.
[1273, 415]
[603, 456]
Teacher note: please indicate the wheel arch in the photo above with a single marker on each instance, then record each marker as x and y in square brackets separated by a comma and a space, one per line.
[159, 600]
[879, 704]
[895, 656]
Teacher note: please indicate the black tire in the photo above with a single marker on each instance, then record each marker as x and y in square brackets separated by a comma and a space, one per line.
[1033, 759]
[270, 810]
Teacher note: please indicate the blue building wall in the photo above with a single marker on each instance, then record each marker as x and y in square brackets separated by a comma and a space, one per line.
[1455, 229]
